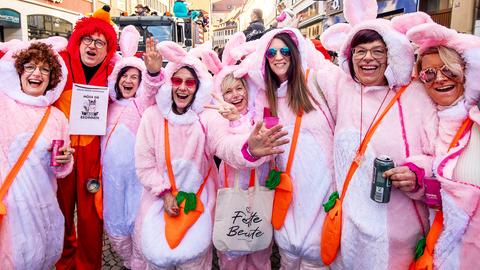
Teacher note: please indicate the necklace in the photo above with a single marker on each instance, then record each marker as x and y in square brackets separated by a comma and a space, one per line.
[376, 114]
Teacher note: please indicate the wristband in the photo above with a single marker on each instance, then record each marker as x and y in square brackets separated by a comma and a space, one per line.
[246, 153]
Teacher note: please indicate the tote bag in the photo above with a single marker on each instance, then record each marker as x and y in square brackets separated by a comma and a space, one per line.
[243, 218]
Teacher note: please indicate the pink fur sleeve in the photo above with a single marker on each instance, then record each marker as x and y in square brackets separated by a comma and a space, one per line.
[147, 166]
[151, 86]
[329, 78]
[66, 169]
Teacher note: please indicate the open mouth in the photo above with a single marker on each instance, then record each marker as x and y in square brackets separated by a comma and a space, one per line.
[369, 69]
[237, 102]
[128, 88]
[280, 65]
[35, 83]
[445, 88]
[90, 53]
[182, 96]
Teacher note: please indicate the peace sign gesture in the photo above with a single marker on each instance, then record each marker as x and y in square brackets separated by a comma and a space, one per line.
[152, 57]
[227, 110]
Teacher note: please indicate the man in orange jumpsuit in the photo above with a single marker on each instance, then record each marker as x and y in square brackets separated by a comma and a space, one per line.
[90, 51]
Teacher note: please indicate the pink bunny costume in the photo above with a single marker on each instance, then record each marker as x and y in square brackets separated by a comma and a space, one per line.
[377, 236]
[312, 169]
[235, 49]
[121, 187]
[31, 234]
[190, 161]
[457, 246]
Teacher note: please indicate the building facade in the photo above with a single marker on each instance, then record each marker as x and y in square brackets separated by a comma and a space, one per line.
[223, 33]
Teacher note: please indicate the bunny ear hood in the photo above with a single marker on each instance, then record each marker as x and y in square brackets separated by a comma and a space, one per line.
[128, 46]
[179, 58]
[254, 64]
[406, 21]
[400, 52]
[11, 85]
[468, 46]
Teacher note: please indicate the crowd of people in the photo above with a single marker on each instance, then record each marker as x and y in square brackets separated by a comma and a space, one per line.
[273, 108]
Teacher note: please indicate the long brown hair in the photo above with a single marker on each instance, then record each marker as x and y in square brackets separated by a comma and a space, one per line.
[297, 91]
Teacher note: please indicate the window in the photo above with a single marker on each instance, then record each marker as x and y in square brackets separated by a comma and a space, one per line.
[43, 26]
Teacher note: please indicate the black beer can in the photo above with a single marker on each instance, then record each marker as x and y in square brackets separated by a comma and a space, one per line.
[381, 186]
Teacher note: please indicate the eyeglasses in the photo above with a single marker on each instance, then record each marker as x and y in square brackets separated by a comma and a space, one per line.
[190, 83]
[97, 42]
[376, 52]
[272, 52]
[428, 75]
[30, 68]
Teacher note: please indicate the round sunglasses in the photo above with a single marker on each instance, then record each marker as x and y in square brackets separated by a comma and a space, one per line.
[272, 52]
[428, 75]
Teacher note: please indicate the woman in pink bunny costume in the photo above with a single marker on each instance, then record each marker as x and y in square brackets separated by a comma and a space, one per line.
[31, 232]
[449, 67]
[132, 91]
[180, 100]
[235, 114]
[377, 63]
[312, 168]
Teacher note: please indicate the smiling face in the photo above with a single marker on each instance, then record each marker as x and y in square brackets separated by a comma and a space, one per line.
[279, 63]
[184, 87]
[129, 82]
[370, 62]
[442, 90]
[235, 93]
[90, 54]
[35, 78]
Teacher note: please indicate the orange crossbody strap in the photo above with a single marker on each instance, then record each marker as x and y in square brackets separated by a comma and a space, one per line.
[168, 161]
[363, 146]
[437, 225]
[293, 146]
[225, 173]
[296, 130]
[23, 156]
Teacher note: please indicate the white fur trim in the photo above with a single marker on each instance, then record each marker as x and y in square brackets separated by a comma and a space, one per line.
[356, 11]
[127, 62]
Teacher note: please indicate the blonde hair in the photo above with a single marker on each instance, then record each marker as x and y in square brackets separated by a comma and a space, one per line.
[229, 80]
[450, 58]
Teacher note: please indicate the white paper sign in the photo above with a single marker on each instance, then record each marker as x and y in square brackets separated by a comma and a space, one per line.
[88, 110]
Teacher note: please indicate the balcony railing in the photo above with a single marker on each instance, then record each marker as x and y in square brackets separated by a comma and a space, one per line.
[443, 17]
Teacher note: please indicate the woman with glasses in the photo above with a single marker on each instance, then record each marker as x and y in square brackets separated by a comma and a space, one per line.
[282, 72]
[175, 221]
[132, 86]
[31, 224]
[380, 117]
[448, 68]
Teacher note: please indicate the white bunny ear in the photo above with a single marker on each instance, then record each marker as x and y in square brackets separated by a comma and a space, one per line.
[171, 51]
[431, 34]
[129, 41]
[406, 21]
[200, 49]
[235, 41]
[58, 43]
[211, 60]
[356, 11]
[335, 36]
[247, 48]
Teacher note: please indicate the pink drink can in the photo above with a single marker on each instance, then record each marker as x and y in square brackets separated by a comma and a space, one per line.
[433, 198]
[270, 121]
[56, 145]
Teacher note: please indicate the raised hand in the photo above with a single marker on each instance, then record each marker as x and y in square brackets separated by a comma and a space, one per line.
[264, 142]
[152, 57]
[227, 110]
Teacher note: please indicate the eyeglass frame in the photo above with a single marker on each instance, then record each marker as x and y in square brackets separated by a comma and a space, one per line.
[40, 68]
[95, 42]
[384, 54]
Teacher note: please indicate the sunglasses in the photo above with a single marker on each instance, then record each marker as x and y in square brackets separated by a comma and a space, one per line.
[272, 52]
[190, 83]
[428, 75]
